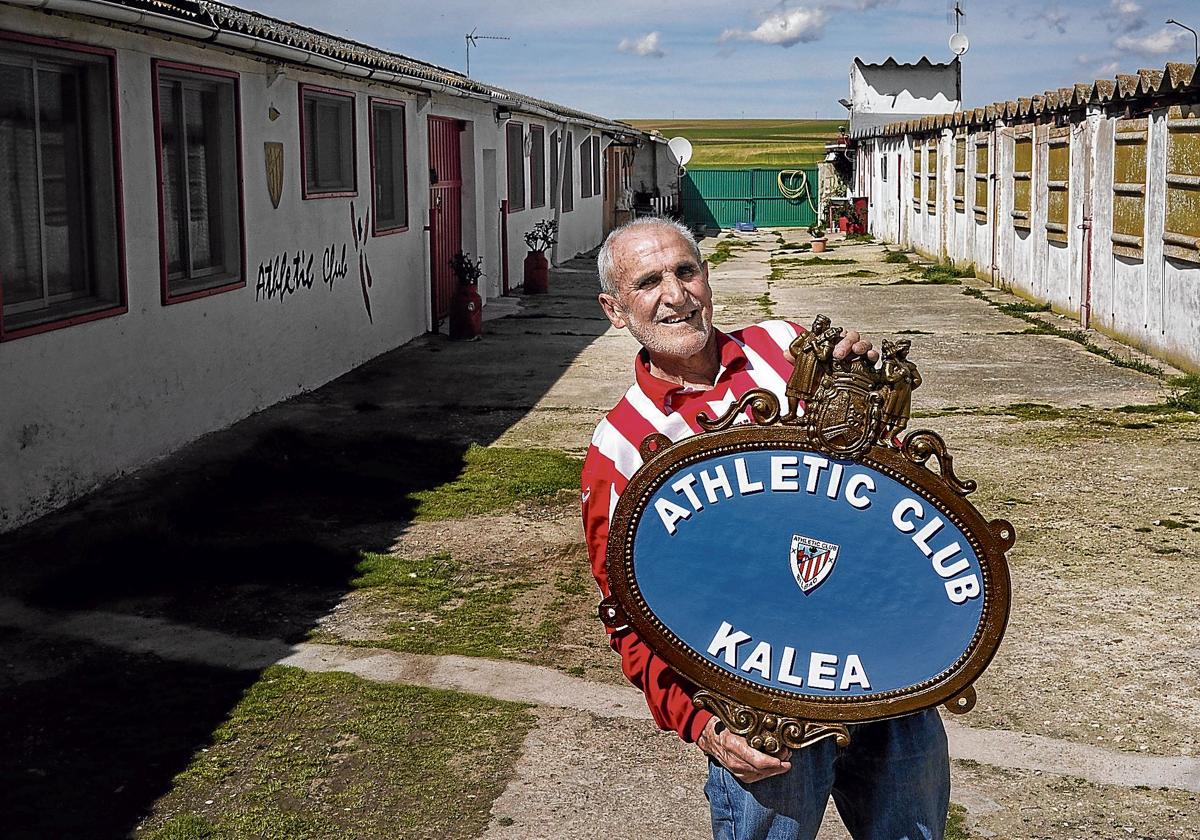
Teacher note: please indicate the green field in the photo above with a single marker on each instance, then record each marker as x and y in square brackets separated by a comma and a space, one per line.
[732, 143]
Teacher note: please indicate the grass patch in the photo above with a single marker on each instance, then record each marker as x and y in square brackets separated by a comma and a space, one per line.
[859, 237]
[725, 249]
[330, 755]
[859, 272]
[497, 477]
[971, 291]
[943, 275]
[795, 246]
[956, 823]
[746, 143]
[1034, 411]
[1184, 392]
[915, 332]
[895, 257]
[826, 261]
[448, 608]
[1170, 524]
[766, 304]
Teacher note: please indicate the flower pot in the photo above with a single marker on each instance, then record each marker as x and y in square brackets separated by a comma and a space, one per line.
[843, 224]
[537, 273]
[818, 245]
[466, 313]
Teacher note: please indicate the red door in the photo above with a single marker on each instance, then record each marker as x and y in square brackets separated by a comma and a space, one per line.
[445, 209]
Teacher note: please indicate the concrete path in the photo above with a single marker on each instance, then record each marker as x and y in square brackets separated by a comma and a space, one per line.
[520, 683]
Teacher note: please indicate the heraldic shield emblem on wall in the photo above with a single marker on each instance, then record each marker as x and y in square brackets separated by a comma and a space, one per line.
[273, 160]
[895, 593]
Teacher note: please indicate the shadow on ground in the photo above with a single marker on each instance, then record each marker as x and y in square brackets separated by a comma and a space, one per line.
[254, 531]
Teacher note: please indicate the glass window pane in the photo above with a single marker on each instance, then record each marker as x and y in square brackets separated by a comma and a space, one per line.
[63, 217]
[174, 190]
[202, 123]
[385, 185]
[20, 223]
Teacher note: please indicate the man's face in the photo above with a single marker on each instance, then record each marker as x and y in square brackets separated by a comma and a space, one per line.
[663, 296]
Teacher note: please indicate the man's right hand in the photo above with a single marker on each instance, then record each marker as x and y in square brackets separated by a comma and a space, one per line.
[738, 757]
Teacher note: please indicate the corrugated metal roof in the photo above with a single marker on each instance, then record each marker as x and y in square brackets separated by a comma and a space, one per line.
[297, 36]
[1146, 88]
[892, 64]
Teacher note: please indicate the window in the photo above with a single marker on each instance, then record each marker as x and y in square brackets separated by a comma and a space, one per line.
[327, 137]
[960, 172]
[514, 133]
[918, 161]
[1129, 188]
[883, 167]
[1181, 236]
[60, 242]
[554, 190]
[200, 204]
[980, 204]
[931, 177]
[596, 166]
[389, 166]
[537, 166]
[1022, 178]
[1058, 181]
[585, 168]
[568, 185]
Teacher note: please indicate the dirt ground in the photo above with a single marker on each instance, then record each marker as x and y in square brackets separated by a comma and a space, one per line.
[262, 531]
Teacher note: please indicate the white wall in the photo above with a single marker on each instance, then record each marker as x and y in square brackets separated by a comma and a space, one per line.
[85, 403]
[1151, 302]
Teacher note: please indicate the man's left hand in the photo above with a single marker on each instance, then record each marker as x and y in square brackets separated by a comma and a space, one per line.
[852, 342]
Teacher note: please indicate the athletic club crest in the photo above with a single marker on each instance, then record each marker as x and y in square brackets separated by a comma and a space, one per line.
[812, 561]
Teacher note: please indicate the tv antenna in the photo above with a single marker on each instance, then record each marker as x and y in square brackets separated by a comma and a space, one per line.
[957, 12]
[473, 41]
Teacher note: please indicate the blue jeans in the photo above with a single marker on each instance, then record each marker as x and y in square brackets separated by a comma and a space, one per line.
[891, 783]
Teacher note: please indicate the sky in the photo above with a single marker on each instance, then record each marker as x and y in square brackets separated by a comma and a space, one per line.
[663, 59]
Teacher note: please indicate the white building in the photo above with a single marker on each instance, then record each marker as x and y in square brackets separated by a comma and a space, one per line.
[891, 91]
[204, 211]
[1086, 198]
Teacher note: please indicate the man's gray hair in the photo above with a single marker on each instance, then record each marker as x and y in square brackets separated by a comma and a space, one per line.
[604, 262]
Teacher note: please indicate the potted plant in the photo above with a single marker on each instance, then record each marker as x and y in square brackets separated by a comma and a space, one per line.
[466, 307]
[537, 268]
[817, 232]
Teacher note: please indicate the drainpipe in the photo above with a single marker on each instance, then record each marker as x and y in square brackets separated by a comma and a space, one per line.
[560, 165]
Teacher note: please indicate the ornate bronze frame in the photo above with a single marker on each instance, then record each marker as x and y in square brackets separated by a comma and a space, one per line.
[855, 411]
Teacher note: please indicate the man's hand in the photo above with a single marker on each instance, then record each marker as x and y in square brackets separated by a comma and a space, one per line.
[737, 756]
[852, 342]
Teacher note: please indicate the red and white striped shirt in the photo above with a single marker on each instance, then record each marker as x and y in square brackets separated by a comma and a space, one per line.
[755, 357]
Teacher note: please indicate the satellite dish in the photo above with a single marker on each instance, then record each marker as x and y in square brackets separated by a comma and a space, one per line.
[681, 148]
[959, 43]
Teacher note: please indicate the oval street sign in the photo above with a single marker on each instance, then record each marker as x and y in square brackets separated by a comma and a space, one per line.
[811, 570]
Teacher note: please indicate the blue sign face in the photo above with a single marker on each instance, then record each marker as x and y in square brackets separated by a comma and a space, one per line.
[808, 575]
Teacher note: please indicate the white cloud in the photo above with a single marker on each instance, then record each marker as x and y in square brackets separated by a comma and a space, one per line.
[647, 46]
[1107, 71]
[1162, 42]
[784, 28]
[1126, 16]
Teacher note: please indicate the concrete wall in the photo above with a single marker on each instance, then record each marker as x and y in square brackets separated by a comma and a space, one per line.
[85, 403]
[1149, 299]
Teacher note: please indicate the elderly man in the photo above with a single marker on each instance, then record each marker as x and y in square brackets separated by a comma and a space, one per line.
[893, 781]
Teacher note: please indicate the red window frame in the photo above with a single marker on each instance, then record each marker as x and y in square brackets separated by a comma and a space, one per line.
[372, 101]
[517, 203]
[167, 297]
[301, 89]
[122, 306]
[585, 167]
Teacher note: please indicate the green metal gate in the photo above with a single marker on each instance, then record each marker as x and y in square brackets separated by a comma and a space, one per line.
[724, 197]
